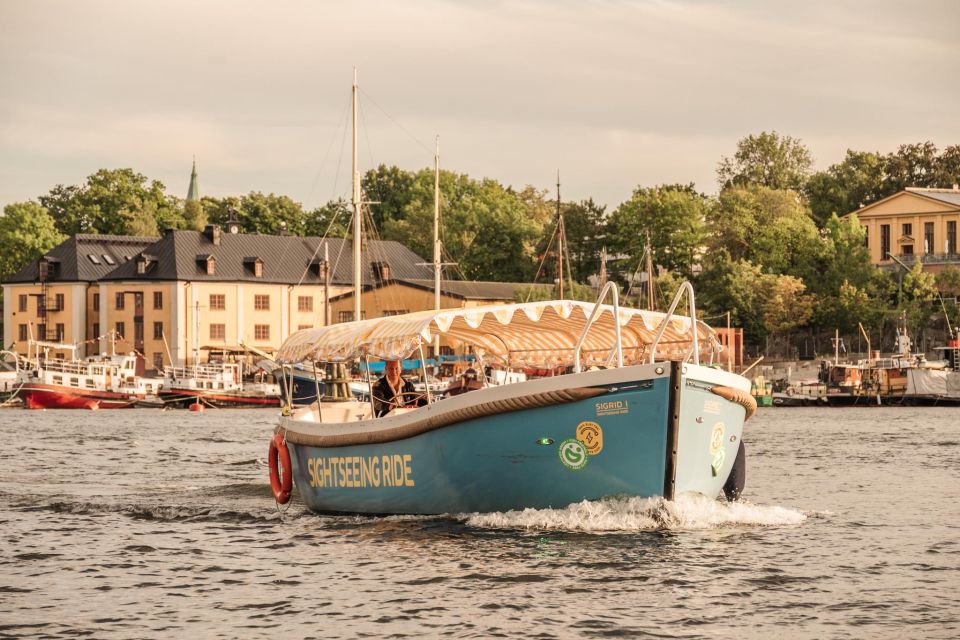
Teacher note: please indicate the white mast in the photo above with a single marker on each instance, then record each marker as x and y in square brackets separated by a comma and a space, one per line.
[357, 219]
[437, 266]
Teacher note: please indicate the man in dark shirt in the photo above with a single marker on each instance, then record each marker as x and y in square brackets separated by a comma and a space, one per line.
[392, 391]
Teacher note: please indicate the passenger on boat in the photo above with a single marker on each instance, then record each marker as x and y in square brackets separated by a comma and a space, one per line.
[392, 391]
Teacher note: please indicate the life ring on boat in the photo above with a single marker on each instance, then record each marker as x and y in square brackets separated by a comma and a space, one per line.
[790, 391]
[281, 472]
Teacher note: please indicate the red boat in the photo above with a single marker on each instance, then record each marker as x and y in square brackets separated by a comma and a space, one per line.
[103, 382]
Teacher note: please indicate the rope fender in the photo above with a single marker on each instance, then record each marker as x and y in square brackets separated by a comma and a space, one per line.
[742, 398]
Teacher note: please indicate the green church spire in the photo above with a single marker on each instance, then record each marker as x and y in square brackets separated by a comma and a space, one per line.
[193, 192]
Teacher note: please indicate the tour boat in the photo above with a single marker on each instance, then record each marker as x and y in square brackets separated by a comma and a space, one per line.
[98, 382]
[219, 384]
[9, 376]
[639, 415]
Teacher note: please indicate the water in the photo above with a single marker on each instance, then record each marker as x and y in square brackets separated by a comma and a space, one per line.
[144, 523]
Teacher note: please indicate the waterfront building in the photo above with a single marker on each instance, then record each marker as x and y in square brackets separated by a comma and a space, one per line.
[185, 295]
[916, 224]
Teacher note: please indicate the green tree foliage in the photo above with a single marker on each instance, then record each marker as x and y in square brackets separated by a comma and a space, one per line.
[785, 304]
[767, 227]
[27, 231]
[487, 229]
[112, 201]
[331, 220]
[390, 188]
[674, 216]
[767, 160]
[269, 213]
[585, 226]
[846, 186]
[541, 292]
[948, 280]
[194, 216]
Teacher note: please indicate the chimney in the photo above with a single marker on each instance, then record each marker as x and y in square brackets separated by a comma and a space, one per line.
[212, 231]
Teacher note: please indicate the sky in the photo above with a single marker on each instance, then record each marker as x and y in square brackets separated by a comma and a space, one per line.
[613, 94]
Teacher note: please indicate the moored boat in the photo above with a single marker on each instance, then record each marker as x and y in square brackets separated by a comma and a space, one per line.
[98, 382]
[219, 384]
[642, 421]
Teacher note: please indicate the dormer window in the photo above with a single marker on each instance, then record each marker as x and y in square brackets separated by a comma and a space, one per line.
[109, 260]
[208, 263]
[144, 263]
[94, 259]
[255, 265]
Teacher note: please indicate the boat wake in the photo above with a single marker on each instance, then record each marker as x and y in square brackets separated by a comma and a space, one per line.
[690, 512]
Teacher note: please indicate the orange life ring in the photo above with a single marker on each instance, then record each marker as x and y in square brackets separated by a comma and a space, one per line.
[281, 471]
[790, 391]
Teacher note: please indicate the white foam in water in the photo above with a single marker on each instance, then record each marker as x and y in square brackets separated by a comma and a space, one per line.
[619, 514]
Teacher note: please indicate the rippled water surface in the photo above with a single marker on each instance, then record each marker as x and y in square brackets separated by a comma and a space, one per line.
[160, 524]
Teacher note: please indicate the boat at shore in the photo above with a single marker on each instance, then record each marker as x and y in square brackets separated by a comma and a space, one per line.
[634, 417]
[9, 377]
[218, 384]
[98, 382]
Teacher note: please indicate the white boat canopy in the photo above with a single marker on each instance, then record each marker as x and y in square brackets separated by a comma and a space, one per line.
[528, 334]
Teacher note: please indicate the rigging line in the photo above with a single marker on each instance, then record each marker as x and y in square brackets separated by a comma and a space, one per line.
[636, 273]
[343, 143]
[392, 119]
[543, 261]
[566, 251]
[378, 251]
[319, 244]
[326, 156]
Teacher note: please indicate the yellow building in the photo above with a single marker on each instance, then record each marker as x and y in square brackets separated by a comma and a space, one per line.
[188, 293]
[915, 224]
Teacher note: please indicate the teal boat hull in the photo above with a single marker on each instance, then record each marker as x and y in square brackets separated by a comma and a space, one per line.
[643, 431]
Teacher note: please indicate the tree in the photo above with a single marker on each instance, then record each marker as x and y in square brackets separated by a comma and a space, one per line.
[768, 160]
[270, 213]
[585, 226]
[767, 227]
[785, 305]
[112, 201]
[193, 215]
[673, 215]
[846, 186]
[390, 188]
[331, 220]
[27, 231]
[948, 280]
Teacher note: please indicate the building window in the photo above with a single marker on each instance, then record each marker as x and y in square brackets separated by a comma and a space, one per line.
[951, 236]
[158, 299]
[41, 306]
[305, 303]
[395, 312]
[22, 302]
[866, 237]
[347, 316]
[158, 360]
[218, 331]
[23, 336]
[261, 331]
[261, 303]
[96, 302]
[158, 331]
[59, 302]
[121, 330]
[908, 249]
[138, 331]
[301, 327]
[907, 229]
[119, 297]
[96, 330]
[928, 237]
[211, 266]
[258, 269]
[884, 241]
[218, 301]
[60, 332]
[41, 332]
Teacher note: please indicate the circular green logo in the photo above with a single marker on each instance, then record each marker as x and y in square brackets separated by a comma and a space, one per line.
[573, 454]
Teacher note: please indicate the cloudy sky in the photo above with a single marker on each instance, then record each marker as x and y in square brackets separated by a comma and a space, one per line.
[612, 93]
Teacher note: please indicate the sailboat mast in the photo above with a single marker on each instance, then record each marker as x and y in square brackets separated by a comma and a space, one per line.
[357, 216]
[559, 239]
[649, 253]
[437, 266]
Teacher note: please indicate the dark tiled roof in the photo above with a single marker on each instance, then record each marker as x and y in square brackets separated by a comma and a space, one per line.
[463, 289]
[73, 257]
[181, 255]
